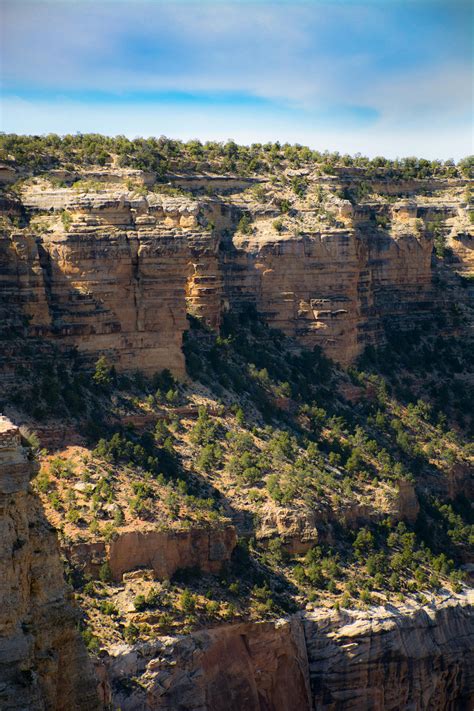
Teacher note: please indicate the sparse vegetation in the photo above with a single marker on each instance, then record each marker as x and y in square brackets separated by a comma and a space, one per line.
[263, 432]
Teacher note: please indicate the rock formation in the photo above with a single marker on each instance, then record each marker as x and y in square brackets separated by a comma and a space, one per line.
[43, 661]
[383, 659]
[389, 660]
[231, 668]
[111, 270]
[113, 266]
[164, 552]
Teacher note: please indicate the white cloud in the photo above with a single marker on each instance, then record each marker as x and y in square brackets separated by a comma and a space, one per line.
[20, 116]
[307, 57]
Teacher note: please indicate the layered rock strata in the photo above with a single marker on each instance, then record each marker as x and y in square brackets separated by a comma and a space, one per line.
[164, 552]
[389, 660]
[43, 661]
[115, 271]
[383, 659]
[113, 283]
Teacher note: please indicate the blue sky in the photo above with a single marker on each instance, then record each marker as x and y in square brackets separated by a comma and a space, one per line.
[391, 77]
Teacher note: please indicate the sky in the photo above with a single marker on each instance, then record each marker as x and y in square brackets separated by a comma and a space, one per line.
[379, 77]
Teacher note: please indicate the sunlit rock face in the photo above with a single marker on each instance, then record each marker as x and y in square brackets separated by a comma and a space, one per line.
[416, 658]
[390, 659]
[43, 660]
[113, 271]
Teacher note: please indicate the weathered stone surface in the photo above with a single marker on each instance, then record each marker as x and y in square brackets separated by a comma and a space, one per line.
[164, 552]
[114, 283]
[383, 659]
[256, 667]
[114, 271]
[167, 551]
[43, 660]
[332, 288]
[388, 659]
[407, 504]
[296, 528]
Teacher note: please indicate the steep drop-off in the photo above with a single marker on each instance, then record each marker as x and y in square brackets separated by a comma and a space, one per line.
[197, 515]
[113, 270]
[379, 660]
[43, 661]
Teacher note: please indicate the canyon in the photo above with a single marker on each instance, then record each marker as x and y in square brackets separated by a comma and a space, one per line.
[188, 574]
[419, 657]
[111, 271]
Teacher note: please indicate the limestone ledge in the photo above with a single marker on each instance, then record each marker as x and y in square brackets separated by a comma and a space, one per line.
[383, 659]
[39, 639]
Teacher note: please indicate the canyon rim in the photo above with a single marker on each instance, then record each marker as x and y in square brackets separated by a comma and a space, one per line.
[236, 376]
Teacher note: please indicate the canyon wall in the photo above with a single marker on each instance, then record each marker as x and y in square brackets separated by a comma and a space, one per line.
[43, 661]
[388, 659]
[113, 282]
[411, 656]
[164, 552]
[112, 271]
[382, 659]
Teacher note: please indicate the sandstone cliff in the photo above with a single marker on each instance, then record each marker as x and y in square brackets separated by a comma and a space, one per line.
[382, 659]
[163, 552]
[43, 661]
[114, 269]
[112, 265]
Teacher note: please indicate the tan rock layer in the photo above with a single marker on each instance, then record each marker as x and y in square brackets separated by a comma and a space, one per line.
[120, 277]
[43, 660]
[383, 659]
[166, 551]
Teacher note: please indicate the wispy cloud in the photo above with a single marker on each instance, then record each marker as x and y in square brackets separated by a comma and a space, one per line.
[394, 66]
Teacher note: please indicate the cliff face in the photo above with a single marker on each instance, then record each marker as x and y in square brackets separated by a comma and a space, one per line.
[416, 659]
[163, 552]
[43, 661]
[114, 271]
[332, 287]
[254, 667]
[382, 660]
[114, 283]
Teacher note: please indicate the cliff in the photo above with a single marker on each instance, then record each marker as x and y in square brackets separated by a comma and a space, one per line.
[113, 268]
[346, 489]
[381, 659]
[163, 552]
[419, 658]
[43, 661]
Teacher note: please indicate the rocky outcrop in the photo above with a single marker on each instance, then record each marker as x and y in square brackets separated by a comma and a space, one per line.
[112, 270]
[296, 528]
[256, 667]
[389, 659]
[43, 661]
[165, 552]
[407, 504]
[332, 286]
[382, 659]
[113, 282]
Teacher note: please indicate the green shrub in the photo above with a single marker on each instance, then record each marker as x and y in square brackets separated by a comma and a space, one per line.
[103, 373]
[244, 225]
[105, 573]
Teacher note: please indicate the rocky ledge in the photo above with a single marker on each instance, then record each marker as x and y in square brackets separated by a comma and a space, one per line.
[43, 661]
[383, 659]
